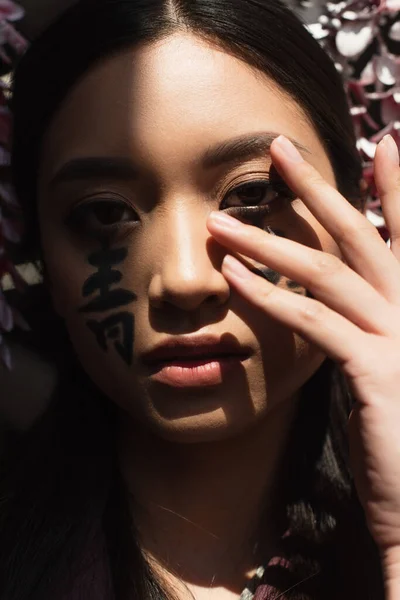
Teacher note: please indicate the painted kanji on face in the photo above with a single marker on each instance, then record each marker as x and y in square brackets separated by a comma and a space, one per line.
[118, 328]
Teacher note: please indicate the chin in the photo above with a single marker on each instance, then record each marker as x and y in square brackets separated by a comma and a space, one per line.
[199, 416]
[213, 427]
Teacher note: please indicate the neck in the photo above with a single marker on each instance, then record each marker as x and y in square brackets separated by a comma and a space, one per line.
[198, 506]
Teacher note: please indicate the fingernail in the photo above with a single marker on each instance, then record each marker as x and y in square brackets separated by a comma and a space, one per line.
[223, 220]
[289, 149]
[236, 268]
[391, 149]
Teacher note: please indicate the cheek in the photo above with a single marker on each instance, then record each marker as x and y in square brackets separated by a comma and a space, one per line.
[77, 275]
[90, 292]
[94, 287]
[65, 272]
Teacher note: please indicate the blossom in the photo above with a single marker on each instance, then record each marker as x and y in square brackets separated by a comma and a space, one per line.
[11, 43]
[10, 11]
[361, 37]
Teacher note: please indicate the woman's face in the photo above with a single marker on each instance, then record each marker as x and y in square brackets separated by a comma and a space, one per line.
[143, 149]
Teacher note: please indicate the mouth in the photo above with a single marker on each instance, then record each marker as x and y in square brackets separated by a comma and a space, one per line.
[194, 362]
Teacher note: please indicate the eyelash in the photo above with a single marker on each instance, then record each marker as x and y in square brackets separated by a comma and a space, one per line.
[282, 193]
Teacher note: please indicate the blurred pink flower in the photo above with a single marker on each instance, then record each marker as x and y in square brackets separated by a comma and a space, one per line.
[10, 226]
[10, 11]
[8, 35]
[358, 34]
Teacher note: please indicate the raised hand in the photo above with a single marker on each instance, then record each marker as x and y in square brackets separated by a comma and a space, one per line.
[354, 318]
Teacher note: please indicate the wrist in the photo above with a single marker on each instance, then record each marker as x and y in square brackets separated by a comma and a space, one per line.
[391, 573]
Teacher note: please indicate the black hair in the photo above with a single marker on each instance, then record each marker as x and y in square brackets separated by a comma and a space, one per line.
[59, 492]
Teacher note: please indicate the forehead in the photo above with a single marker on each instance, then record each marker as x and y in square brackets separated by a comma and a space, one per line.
[167, 102]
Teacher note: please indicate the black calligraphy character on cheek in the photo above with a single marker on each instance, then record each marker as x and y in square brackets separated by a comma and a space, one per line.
[118, 327]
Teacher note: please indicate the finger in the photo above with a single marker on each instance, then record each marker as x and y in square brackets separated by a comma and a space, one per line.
[324, 275]
[360, 243]
[331, 332]
[387, 180]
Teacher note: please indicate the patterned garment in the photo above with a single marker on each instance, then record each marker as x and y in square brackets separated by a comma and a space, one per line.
[251, 587]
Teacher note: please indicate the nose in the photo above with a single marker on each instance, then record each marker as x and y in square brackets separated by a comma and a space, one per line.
[188, 275]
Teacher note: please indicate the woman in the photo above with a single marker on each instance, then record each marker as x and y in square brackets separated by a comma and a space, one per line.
[225, 301]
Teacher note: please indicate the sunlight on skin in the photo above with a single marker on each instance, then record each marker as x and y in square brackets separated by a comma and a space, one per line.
[159, 104]
[161, 113]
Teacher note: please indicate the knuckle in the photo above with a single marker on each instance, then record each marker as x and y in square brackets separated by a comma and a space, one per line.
[268, 293]
[314, 312]
[325, 264]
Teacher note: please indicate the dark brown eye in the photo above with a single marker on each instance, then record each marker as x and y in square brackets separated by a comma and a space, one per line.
[255, 193]
[102, 215]
[110, 213]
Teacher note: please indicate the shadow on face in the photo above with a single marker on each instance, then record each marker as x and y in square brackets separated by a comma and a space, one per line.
[145, 146]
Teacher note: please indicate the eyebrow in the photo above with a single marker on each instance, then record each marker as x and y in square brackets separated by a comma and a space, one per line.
[97, 168]
[235, 150]
[244, 147]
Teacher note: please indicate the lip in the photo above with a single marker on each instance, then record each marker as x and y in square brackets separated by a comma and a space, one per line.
[194, 361]
[186, 348]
